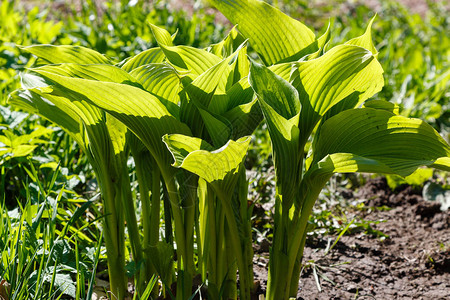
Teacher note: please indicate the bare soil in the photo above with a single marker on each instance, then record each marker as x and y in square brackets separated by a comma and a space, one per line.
[412, 263]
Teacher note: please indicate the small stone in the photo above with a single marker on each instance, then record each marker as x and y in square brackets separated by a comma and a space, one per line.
[353, 288]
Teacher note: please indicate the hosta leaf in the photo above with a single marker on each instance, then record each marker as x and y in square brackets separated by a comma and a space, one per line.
[244, 119]
[207, 97]
[240, 66]
[365, 40]
[162, 35]
[159, 79]
[345, 73]
[275, 91]
[281, 109]
[198, 157]
[200, 92]
[278, 99]
[219, 128]
[67, 54]
[188, 58]
[322, 43]
[139, 110]
[212, 80]
[397, 143]
[442, 163]
[150, 56]
[283, 70]
[381, 104]
[192, 59]
[98, 72]
[162, 81]
[56, 109]
[274, 35]
[228, 45]
[240, 93]
[84, 122]
[318, 175]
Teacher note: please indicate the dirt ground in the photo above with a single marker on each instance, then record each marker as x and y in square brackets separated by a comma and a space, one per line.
[412, 263]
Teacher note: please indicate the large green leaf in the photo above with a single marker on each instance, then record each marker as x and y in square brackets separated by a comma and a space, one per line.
[150, 56]
[196, 61]
[199, 94]
[274, 35]
[141, 111]
[207, 97]
[392, 144]
[67, 54]
[200, 158]
[281, 109]
[240, 93]
[228, 45]
[162, 35]
[365, 40]
[162, 81]
[100, 72]
[345, 73]
[57, 109]
[244, 118]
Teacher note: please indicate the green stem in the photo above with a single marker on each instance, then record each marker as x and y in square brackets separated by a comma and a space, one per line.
[113, 227]
[221, 258]
[155, 209]
[235, 242]
[277, 284]
[168, 231]
[310, 195]
[246, 215]
[184, 261]
[147, 172]
[123, 189]
[230, 288]
[202, 227]
[297, 267]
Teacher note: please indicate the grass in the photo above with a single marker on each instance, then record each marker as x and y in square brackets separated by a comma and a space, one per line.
[49, 252]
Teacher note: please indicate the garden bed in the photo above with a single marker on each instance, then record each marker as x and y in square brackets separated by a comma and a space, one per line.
[412, 263]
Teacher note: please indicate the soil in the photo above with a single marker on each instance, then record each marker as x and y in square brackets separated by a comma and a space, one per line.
[412, 263]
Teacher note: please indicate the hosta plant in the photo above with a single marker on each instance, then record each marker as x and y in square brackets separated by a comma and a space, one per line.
[198, 101]
[186, 116]
[319, 98]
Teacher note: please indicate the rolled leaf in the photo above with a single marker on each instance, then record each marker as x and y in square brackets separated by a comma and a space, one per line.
[281, 109]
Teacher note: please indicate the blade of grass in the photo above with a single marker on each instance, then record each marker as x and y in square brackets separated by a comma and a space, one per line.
[94, 269]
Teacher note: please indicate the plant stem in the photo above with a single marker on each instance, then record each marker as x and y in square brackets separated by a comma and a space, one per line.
[230, 286]
[113, 226]
[236, 243]
[184, 262]
[279, 261]
[147, 172]
[124, 191]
